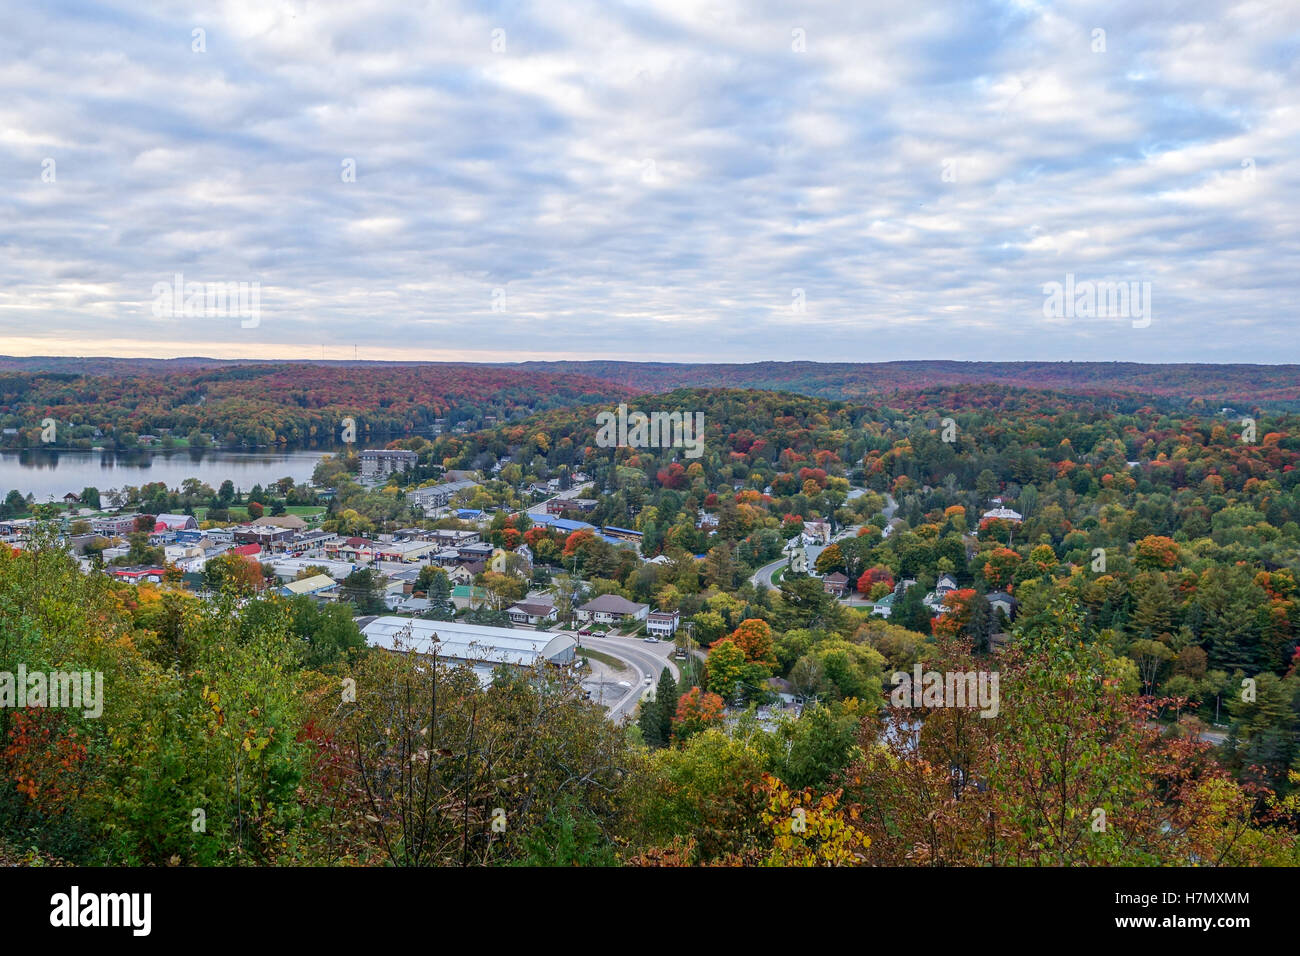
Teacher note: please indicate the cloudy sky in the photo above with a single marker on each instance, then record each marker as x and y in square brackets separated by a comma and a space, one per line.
[650, 180]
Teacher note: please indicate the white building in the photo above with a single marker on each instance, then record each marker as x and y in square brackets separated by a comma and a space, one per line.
[482, 647]
[663, 624]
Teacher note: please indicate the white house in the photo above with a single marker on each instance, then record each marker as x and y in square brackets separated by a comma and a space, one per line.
[610, 609]
[663, 624]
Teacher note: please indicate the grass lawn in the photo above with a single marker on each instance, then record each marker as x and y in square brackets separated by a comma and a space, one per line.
[605, 659]
[777, 575]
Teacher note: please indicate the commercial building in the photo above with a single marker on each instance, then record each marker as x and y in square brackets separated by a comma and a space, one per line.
[482, 647]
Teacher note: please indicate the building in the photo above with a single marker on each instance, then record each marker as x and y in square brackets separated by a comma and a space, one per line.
[439, 496]
[884, 607]
[663, 624]
[621, 534]
[187, 557]
[1004, 602]
[1003, 514]
[536, 613]
[287, 569]
[479, 551]
[382, 462]
[293, 522]
[452, 537]
[558, 506]
[270, 538]
[816, 532]
[612, 609]
[467, 596]
[318, 585]
[113, 524]
[404, 552]
[138, 574]
[171, 522]
[482, 647]
[562, 525]
[354, 550]
[836, 584]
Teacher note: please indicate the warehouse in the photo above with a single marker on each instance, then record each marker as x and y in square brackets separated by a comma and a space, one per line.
[482, 647]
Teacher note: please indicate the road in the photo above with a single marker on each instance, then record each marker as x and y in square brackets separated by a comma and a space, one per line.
[764, 574]
[647, 660]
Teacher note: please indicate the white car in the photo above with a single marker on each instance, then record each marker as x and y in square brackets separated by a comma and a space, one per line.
[649, 679]
[651, 639]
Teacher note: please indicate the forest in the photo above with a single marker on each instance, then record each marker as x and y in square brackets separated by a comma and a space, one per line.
[1150, 699]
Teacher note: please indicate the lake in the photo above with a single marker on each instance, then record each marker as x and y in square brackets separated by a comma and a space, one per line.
[45, 473]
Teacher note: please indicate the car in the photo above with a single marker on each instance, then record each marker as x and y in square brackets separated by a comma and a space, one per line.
[651, 639]
[649, 679]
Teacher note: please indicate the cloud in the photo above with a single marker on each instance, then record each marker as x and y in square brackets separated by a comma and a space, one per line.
[651, 180]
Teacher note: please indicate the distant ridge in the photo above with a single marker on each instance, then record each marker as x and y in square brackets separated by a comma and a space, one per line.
[1210, 382]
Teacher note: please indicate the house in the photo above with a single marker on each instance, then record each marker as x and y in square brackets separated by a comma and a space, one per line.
[816, 532]
[612, 609]
[783, 690]
[1002, 514]
[663, 624]
[536, 613]
[501, 562]
[70, 499]
[945, 584]
[468, 596]
[706, 521]
[169, 522]
[884, 607]
[246, 550]
[460, 574]
[836, 584]
[382, 462]
[1004, 602]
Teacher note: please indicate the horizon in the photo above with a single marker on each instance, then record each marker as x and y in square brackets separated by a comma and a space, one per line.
[617, 361]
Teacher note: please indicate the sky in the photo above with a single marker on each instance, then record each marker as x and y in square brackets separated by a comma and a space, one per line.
[651, 181]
